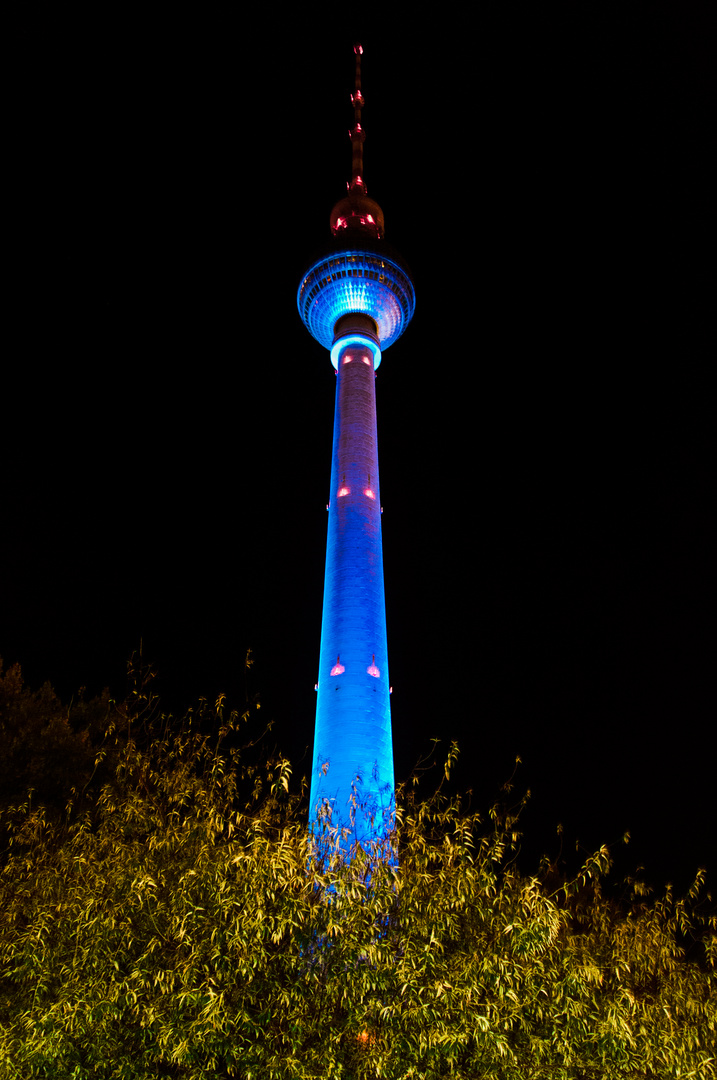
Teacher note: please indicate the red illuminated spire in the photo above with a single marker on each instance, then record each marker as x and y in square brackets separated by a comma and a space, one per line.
[357, 133]
[356, 212]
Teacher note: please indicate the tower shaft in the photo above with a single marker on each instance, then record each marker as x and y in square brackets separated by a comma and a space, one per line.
[352, 770]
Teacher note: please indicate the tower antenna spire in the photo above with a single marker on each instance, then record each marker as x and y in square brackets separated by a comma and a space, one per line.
[356, 213]
[357, 134]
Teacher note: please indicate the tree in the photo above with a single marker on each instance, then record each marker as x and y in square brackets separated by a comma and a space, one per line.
[182, 927]
[47, 750]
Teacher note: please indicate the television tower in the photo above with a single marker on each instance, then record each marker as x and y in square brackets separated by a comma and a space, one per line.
[356, 299]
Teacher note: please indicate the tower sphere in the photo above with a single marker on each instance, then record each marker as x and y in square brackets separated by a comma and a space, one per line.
[361, 277]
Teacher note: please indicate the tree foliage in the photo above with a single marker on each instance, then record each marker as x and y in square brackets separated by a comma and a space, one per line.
[46, 749]
[180, 926]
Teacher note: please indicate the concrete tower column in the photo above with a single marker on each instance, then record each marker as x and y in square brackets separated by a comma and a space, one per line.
[352, 769]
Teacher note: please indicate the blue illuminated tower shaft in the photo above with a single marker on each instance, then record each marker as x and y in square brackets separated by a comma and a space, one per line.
[352, 774]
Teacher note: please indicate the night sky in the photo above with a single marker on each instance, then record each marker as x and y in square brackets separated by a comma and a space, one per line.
[545, 423]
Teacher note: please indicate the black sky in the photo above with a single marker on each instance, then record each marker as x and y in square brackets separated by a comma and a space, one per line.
[545, 424]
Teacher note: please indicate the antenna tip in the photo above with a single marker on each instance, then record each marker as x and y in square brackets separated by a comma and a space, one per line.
[358, 49]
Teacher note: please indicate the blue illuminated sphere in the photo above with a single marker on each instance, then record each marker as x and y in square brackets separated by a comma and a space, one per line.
[356, 279]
